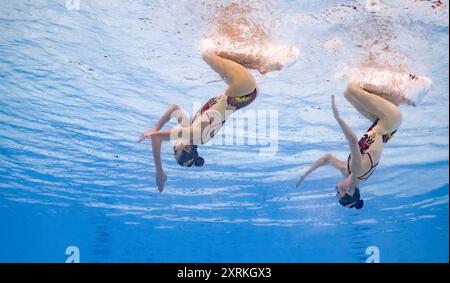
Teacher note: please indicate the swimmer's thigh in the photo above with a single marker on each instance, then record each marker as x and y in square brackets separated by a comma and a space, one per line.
[388, 114]
[239, 79]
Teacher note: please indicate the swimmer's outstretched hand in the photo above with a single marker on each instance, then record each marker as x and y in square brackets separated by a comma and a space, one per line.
[334, 107]
[300, 181]
[147, 134]
[161, 179]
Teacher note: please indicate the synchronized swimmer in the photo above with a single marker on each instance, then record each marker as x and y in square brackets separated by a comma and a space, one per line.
[229, 53]
[377, 99]
[242, 90]
[376, 93]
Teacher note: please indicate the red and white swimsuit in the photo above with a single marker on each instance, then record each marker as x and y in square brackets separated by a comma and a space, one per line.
[210, 118]
[370, 142]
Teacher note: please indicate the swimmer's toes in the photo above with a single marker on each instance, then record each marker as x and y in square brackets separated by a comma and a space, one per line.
[270, 68]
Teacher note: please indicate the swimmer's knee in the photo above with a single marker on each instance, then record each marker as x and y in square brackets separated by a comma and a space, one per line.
[394, 114]
[350, 90]
[206, 55]
[244, 80]
[347, 93]
[353, 87]
[398, 117]
[249, 85]
[391, 122]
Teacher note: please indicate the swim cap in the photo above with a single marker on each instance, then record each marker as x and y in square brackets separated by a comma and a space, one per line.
[187, 159]
[354, 201]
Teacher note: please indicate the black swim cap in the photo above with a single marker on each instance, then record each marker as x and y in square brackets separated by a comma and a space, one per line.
[354, 201]
[187, 159]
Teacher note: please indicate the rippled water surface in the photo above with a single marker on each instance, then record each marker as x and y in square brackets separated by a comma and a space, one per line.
[77, 87]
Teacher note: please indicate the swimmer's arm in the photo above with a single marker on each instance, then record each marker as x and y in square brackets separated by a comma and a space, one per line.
[161, 177]
[157, 138]
[166, 116]
[350, 136]
[248, 61]
[156, 149]
[173, 109]
[327, 159]
[255, 62]
[251, 61]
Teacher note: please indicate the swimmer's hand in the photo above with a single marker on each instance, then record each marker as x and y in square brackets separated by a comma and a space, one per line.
[300, 181]
[334, 107]
[147, 134]
[161, 179]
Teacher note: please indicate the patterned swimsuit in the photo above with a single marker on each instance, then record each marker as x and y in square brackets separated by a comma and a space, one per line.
[208, 126]
[364, 145]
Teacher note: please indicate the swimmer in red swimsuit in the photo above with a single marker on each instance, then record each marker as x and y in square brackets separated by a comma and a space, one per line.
[242, 90]
[365, 153]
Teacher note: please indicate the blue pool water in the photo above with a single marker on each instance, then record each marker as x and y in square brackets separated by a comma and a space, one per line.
[78, 86]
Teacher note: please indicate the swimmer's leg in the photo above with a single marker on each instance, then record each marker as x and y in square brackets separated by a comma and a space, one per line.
[251, 61]
[245, 60]
[395, 99]
[389, 115]
[360, 108]
[181, 117]
[240, 81]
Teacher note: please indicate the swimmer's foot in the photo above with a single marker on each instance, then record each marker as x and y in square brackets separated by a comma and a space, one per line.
[398, 100]
[264, 69]
[408, 101]
[300, 181]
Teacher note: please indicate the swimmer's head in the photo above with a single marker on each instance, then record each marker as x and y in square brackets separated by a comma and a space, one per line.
[348, 197]
[187, 155]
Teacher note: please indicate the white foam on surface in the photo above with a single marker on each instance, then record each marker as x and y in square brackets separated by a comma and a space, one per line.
[270, 53]
[389, 82]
